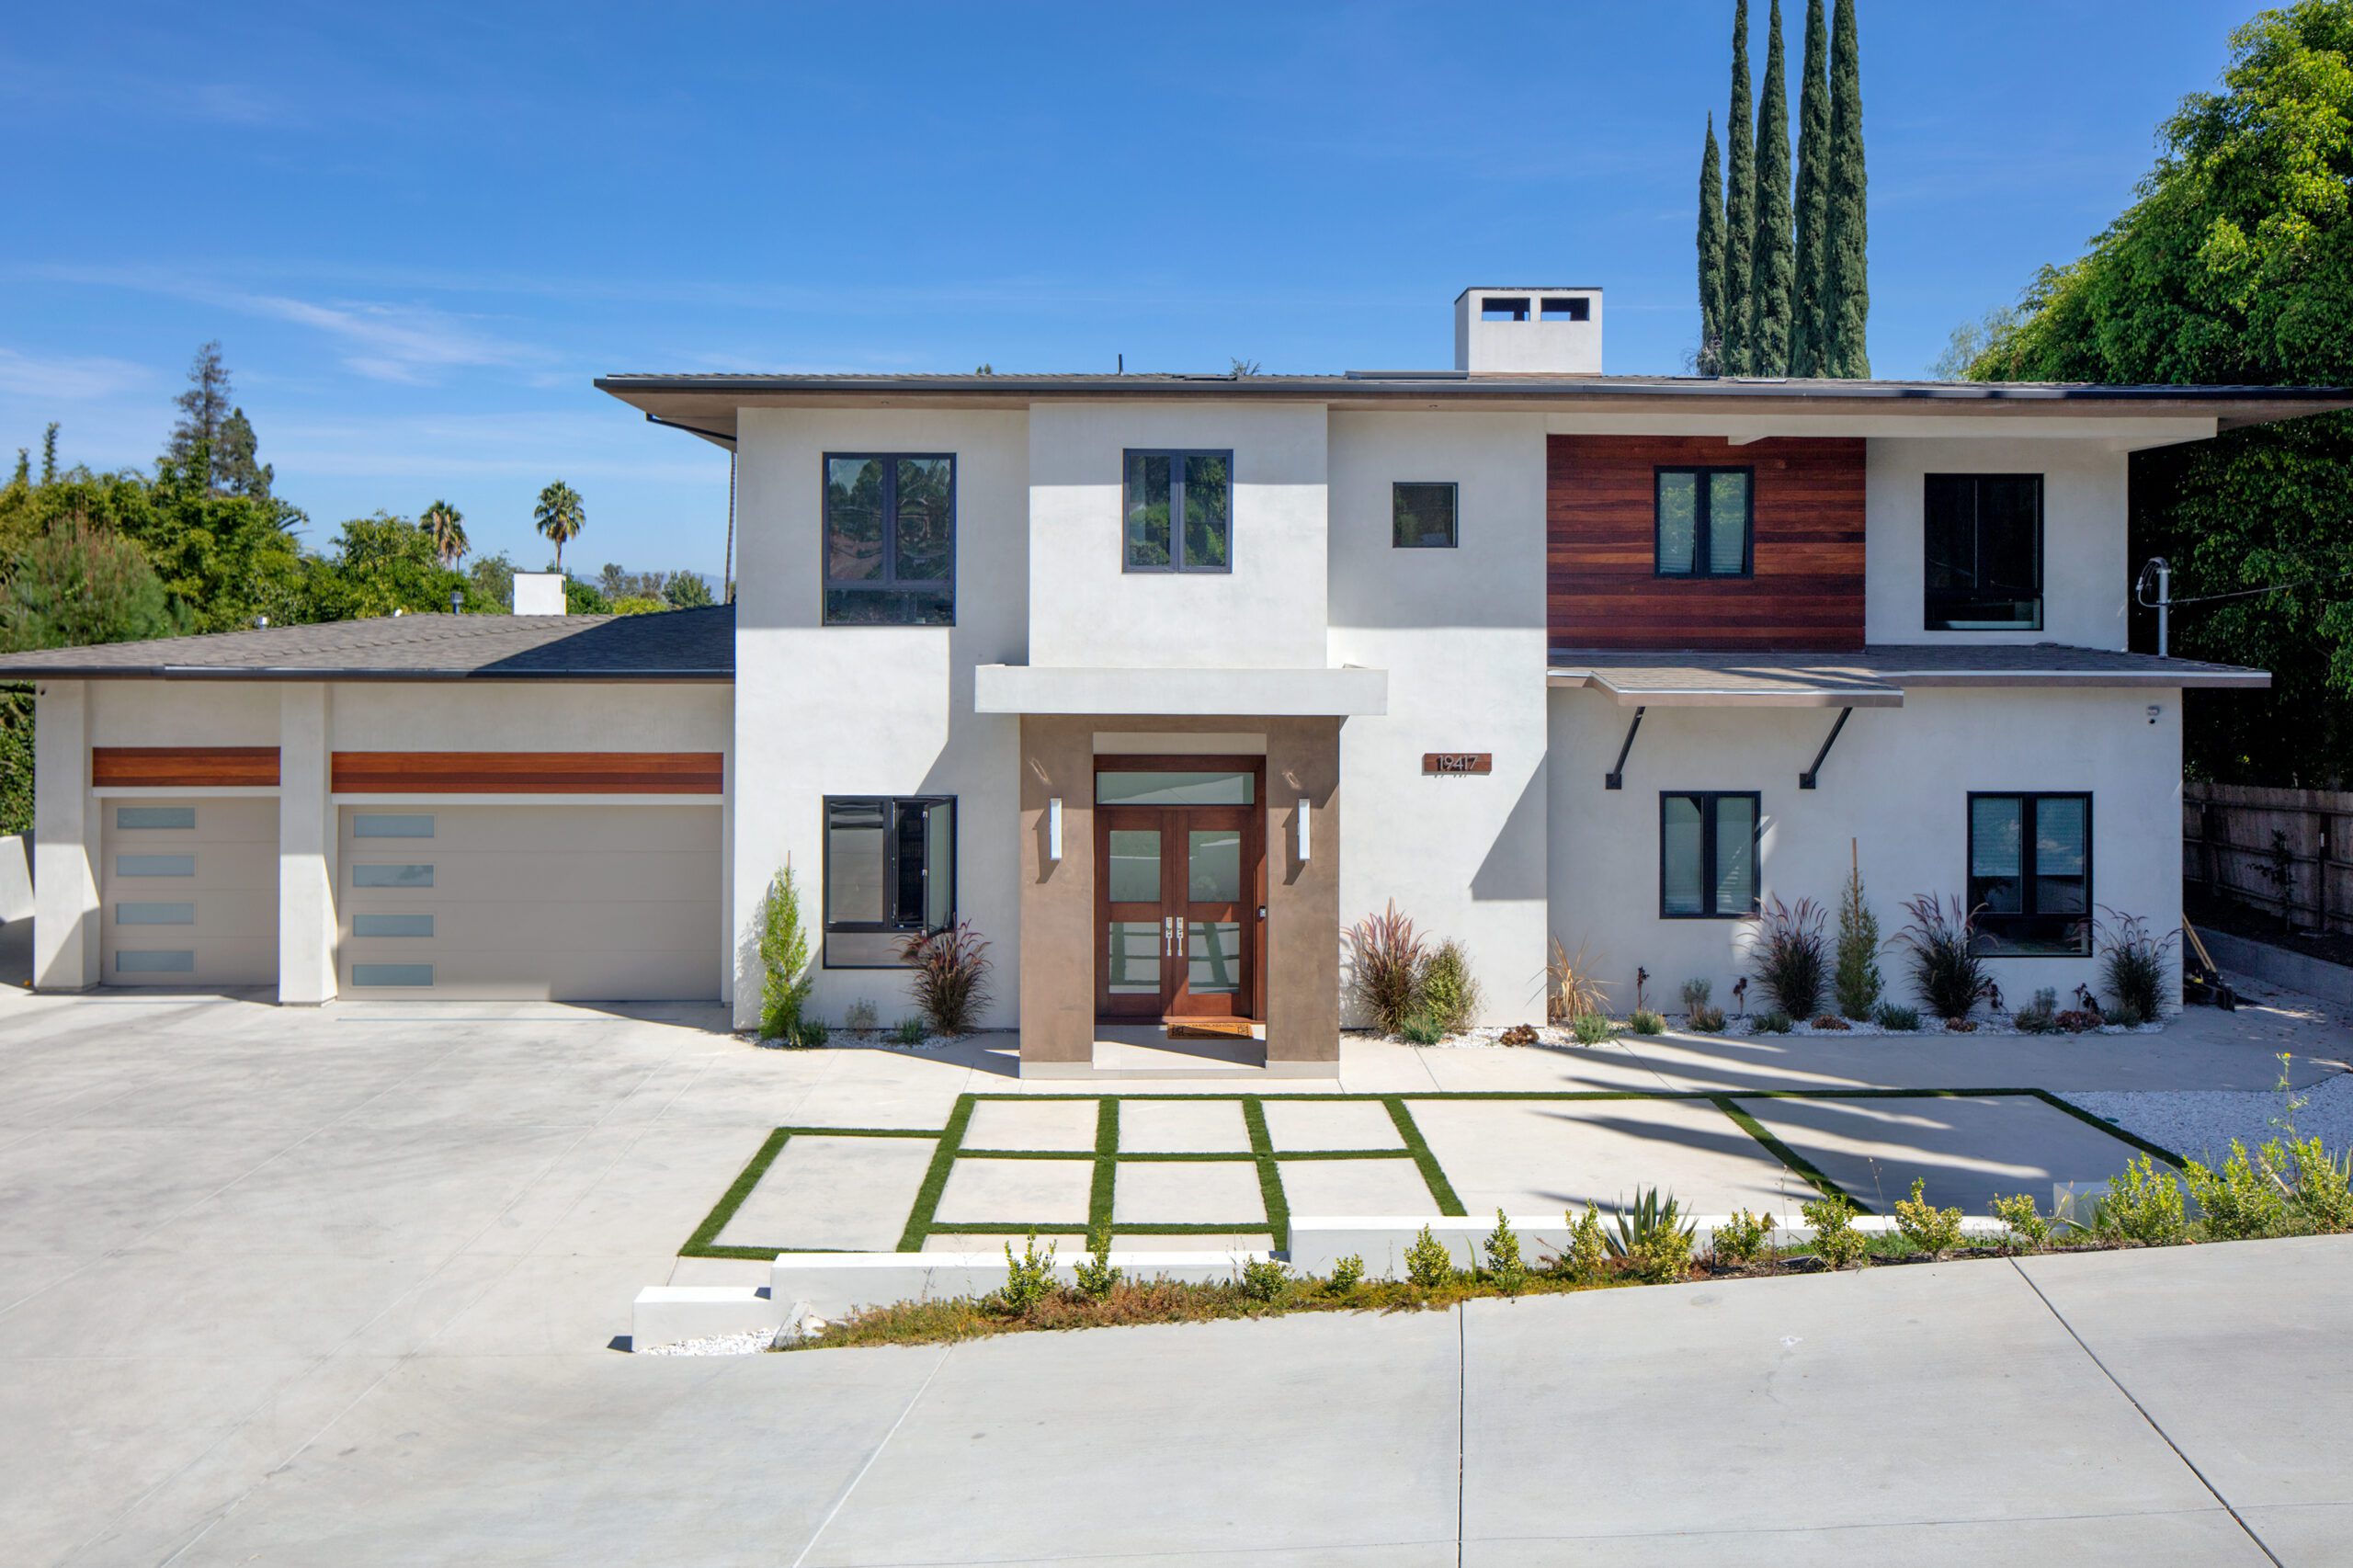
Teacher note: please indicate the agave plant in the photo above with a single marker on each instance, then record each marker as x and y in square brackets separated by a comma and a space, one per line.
[1652, 1215]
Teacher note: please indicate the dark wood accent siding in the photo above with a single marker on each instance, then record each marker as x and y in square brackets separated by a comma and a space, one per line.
[1602, 585]
[527, 772]
[183, 766]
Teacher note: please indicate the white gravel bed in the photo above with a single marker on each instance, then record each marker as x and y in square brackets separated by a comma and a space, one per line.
[2200, 1123]
[750, 1343]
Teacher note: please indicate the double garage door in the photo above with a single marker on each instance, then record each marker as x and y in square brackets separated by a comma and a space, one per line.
[585, 903]
[187, 891]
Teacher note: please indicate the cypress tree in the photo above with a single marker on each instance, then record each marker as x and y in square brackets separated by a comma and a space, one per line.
[1709, 361]
[1812, 200]
[1768, 294]
[1846, 295]
[1740, 202]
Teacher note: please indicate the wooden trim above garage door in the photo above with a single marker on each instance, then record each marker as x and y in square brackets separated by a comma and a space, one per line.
[529, 772]
[183, 766]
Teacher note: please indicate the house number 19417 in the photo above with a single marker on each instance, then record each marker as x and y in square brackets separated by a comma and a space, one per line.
[1457, 762]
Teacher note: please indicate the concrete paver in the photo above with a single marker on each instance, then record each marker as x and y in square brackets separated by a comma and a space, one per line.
[847, 1194]
[1017, 1192]
[1187, 1192]
[1355, 1186]
[1180, 1127]
[1331, 1124]
[1966, 1150]
[1043, 1124]
[1539, 1156]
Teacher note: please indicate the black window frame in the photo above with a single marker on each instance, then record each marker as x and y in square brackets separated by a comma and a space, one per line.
[1931, 617]
[1707, 798]
[829, 928]
[889, 582]
[1453, 513]
[1985, 923]
[1177, 565]
[1702, 524]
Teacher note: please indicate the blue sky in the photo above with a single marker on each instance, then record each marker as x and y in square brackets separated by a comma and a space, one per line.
[419, 231]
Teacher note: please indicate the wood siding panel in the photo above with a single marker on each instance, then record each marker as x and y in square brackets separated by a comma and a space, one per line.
[1602, 587]
[183, 766]
[527, 772]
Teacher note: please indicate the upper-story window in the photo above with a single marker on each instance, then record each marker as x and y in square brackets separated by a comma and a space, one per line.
[1178, 511]
[1984, 552]
[889, 539]
[1702, 528]
[1421, 516]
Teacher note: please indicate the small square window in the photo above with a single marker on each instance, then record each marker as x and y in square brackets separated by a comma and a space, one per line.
[1707, 856]
[1702, 522]
[1421, 516]
[890, 874]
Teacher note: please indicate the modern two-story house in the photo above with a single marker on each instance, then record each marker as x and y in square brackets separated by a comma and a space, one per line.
[1162, 681]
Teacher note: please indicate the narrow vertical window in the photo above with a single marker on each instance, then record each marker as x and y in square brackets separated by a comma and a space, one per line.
[1703, 522]
[1707, 856]
[1177, 511]
[1982, 551]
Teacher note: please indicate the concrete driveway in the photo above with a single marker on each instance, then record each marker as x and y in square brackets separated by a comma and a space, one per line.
[336, 1285]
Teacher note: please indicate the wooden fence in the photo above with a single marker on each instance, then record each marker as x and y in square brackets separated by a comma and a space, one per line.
[2227, 847]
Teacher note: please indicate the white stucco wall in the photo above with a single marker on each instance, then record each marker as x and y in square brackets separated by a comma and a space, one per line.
[530, 716]
[876, 709]
[1461, 633]
[1897, 782]
[183, 713]
[1086, 610]
[2087, 577]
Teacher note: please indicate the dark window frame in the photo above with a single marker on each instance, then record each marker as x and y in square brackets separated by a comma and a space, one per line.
[1560, 307]
[888, 582]
[1983, 922]
[1453, 489]
[1702, 524]
[1934, 619]
[829, 928]
[1177, 565]
[1707, 798]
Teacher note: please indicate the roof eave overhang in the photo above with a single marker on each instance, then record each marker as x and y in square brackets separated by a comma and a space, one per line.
[276, 673]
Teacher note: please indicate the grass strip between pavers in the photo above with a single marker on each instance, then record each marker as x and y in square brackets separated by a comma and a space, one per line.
[1270, 1175]
[1100, 1195]
[1433, 1174]
[704, 1241]
[1786, 1156]
[2118, 1134]
[935, 1180]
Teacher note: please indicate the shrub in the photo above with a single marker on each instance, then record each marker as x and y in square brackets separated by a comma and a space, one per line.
[2324, 1185]
[1742, 1239]
[1385, 960]
[1518, 1034]
[1591, 1028]
[1429, 1264]
[2239, 1202]
[2141, 1204]
[1789, 957]
[1644, 1021]
[1856, 980]
[1264, 1279]
[1649, 1240]
[1029, 1279]
[1421, 1030]
[2133, 963]
[861, 1015]
[1347, 1273]
[1895, 1015]
[1940, 947]
[1695, 994]
[1505, 1269]
[1831, 1023]
[1931, 1229]
[2029, 1228]
[911, 1031]
[1771, 1021]
[1705, 1020]
[1569, 990]
[1450, 995]
[950, 980]
[811, 1033]
[1836, 1240]
[785, 974]
[1588, 1251]
[2125, 1017]
[1095, 1274]
[2076, 1021]
[2039, 1016]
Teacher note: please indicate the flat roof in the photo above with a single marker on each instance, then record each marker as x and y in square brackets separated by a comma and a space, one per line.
[1876, 677]
[667, 645]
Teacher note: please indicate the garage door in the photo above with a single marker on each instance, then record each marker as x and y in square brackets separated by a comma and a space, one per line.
[188, 892]
[588, 903]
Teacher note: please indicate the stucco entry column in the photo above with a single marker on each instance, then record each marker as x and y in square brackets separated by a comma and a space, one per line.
[307, 845]
[1057, 896]
[1302, 896]
[66, 951]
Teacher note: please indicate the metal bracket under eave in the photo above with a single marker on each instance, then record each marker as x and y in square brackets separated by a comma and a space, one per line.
[1616, 777]
[1805, 779]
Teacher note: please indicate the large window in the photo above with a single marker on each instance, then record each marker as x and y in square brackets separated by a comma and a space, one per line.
[1984, 552]
[890, 874]
[1421, 516]
[890, 539]
[1707, 856]
[1178, 512]
[2030, 872]
[1703, 522]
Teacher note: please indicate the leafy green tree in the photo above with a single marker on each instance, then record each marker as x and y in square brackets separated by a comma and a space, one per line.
[1709, 361]
[582, 598]
[383, 564]
[560, 516]
[1846, 272]
[492, 585]
[1740, 204]
[77, 585]
[236, 467]
[2234, 264]
[1769, 287]
[204, 408]
[686, 590]
[1811, 217]
[446, 526]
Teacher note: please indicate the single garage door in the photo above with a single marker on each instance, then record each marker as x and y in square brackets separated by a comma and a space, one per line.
[188, 892]
[586, 902]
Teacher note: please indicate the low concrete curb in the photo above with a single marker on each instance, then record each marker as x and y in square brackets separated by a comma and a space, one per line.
[2282, 966]
[664, 1314]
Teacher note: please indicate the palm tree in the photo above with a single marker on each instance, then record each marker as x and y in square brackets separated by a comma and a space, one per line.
[561, 516]
[447, 526]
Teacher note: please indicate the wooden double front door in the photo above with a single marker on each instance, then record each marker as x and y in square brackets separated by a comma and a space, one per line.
[1181, 892]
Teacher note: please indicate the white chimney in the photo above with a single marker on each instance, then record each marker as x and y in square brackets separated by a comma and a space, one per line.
[538, 593]
[1527, 330]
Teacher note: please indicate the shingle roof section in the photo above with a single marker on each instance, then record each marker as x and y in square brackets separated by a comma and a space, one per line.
[670, 645]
